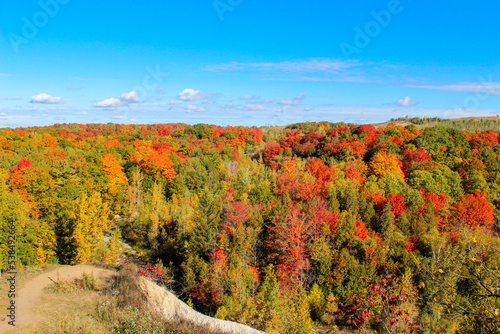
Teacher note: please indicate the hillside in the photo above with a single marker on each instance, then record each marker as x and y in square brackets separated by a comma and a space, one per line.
[313, 227]
[463, 123]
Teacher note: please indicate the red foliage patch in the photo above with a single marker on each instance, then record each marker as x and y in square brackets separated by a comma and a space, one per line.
[397, 204]
[411, 243]
[473, 210]
[361, 231]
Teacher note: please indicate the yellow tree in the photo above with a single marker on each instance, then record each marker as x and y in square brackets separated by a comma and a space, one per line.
[90, 220]
[158, 214]
[135, 195]
[181, 211]
[44, 244]
[382, 163]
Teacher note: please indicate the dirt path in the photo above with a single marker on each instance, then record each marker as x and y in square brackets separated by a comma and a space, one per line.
[29, 296]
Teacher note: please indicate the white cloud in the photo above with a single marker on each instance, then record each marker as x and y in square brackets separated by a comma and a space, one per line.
[485, 87]
[251, 107]
[10, 98]
[189, 94]
[249, 97]
[262, 101]
[228, 106]
[109, 103]
[294, 102]
[341, 77]
[131, 97]
[116, 117]
[208, 102]
[191, 108]
[306, 65]
[3, 114]
[312, 69]
[174, 102]
[406, 102]
[45, 98]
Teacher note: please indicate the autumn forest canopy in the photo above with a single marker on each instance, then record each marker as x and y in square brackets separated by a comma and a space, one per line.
[313, 226]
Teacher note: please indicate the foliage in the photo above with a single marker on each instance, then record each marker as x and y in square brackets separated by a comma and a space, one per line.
[288, 229]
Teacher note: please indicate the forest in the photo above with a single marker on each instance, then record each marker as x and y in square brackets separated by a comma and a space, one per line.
[320, 227]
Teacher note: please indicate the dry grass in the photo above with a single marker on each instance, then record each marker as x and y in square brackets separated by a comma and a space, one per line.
[86, 282]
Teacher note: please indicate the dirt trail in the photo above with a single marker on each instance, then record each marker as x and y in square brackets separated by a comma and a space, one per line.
[29, 296]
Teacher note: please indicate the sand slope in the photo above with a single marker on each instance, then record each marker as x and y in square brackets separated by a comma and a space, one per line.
[173, 308]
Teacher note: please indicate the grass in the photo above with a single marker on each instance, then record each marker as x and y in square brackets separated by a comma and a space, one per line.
[86, 282]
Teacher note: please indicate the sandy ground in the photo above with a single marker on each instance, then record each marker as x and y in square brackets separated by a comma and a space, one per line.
[29, 296]
[173, 308]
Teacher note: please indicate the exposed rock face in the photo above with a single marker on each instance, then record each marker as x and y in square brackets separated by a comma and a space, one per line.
[173, 309]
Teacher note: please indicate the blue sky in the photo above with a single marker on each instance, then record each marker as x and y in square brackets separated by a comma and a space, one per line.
[246, 62]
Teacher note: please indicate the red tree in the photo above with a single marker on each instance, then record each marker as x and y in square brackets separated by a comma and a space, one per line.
[320, 215]
[290, 233]
[474, 210]
[484, 139]
[382, 304]
[410, 157]
[272, 149]
[397, 204]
